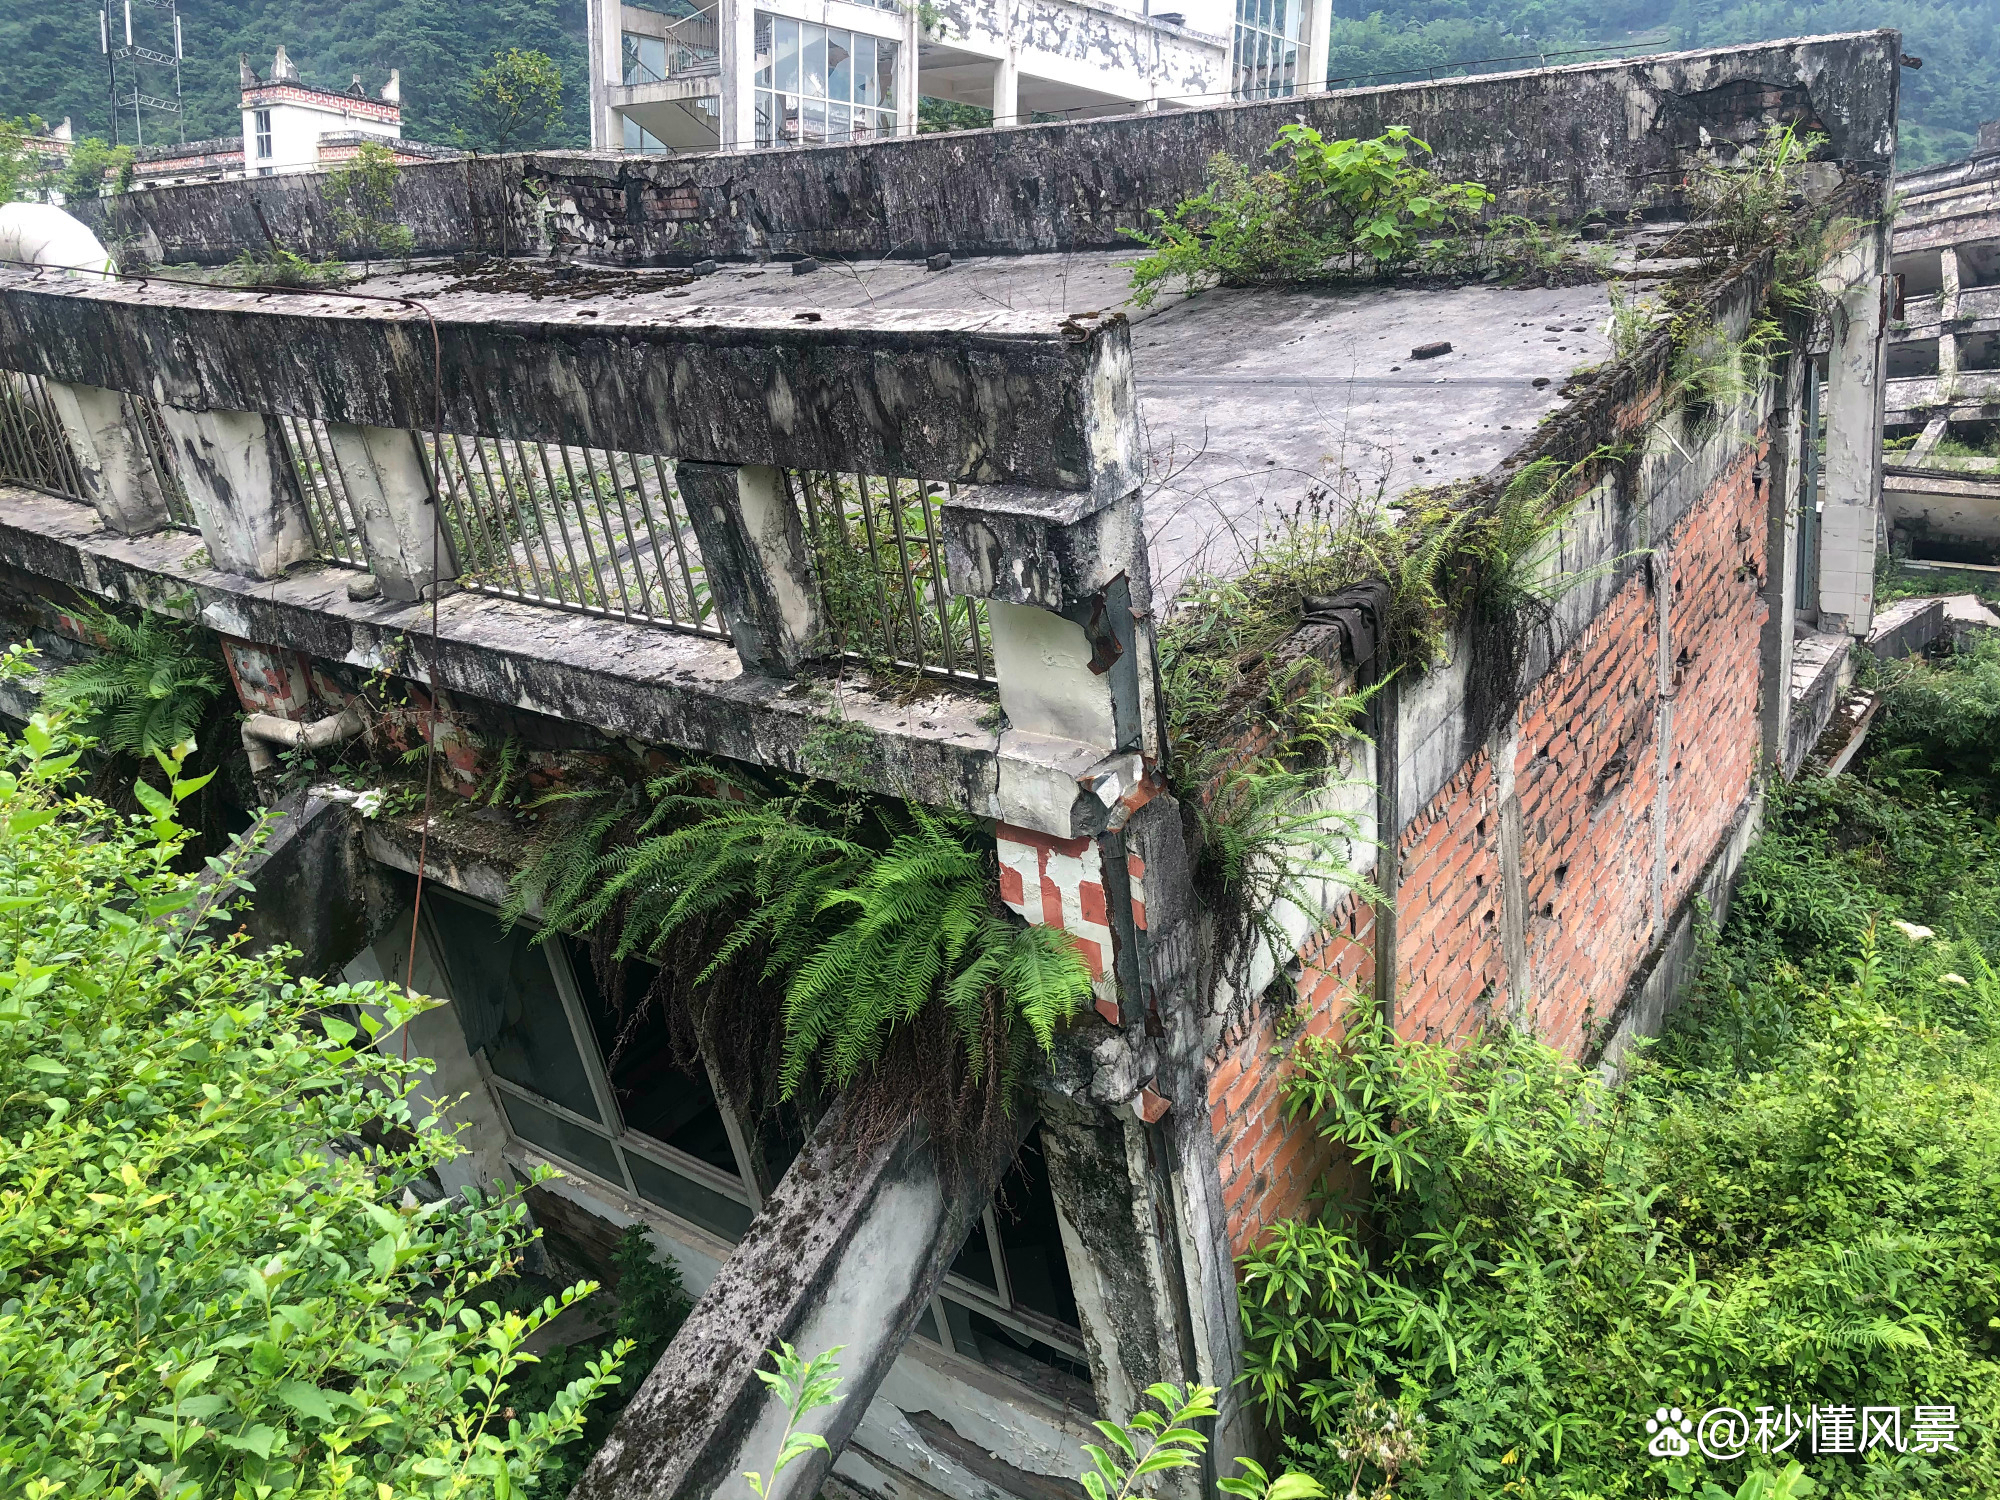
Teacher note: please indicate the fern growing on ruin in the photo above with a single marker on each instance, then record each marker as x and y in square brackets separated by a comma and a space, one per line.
[147, 689]
[869, 912]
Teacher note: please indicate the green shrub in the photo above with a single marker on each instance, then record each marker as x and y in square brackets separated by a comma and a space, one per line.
[215, 1276]
[1790, 1200]
[1328, 209]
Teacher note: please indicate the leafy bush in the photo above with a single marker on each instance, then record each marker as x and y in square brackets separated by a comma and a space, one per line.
[1789, 1202]
[147, 689]
[1330, 208]
[216, 1276]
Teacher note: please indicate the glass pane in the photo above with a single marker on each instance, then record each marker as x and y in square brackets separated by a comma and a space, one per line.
[1024, 1213]
[629, 54]
[839, 65]
[885, 74]
[788, 124]
[813, 127]
[563, 1139]
[764, 119]
[866, 89]
[975, 1259]
[927, 1325]
[506, 1000]
[687, 1199]
[787, 33]
[659, 1096]
[653, 58]
[760, 47]
[1055, 1372]
[632, 133]
[812, 60]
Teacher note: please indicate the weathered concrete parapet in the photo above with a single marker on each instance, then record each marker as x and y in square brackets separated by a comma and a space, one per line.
[758, 564]
[981, 397]
[388, 478]
[1066, 581]
[240, 482]
[847, 1251]
[109, 454]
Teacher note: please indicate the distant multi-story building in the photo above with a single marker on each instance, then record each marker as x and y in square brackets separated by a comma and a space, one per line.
[741, 74]
[289, 125]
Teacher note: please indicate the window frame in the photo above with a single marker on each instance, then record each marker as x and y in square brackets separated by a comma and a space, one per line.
[612, 1129]
[260, 122]
[840, 121]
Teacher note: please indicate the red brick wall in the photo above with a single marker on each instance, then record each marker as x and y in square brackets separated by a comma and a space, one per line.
[1270, 1168]
[1586, 774]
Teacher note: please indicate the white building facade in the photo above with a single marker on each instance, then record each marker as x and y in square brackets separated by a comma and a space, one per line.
[746, 74]
[284, 117]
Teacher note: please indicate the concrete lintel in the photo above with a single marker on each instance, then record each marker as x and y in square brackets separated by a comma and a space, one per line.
[115, 468]
[388, 479]
[245, 496]
[847, 1251]
[993, 397]
[655, 686]
[758, 565]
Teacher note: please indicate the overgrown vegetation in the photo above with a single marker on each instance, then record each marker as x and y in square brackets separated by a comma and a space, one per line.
[1326, 210]
[1788, 1204]
[877, 924]
[224, 1268]
[362, 198]
[515, 102]
[277, 266]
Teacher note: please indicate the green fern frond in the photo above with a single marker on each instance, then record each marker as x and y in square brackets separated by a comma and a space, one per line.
[148, 688]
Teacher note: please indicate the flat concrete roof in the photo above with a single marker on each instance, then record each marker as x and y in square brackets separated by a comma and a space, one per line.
[1252, 401]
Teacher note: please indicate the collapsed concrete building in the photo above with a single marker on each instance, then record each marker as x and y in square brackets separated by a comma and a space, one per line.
[582, 516]
[1941, 476]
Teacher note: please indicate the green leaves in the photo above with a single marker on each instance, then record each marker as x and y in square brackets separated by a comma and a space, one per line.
[197, 1296]
[800, 1386]
[1152, 1442]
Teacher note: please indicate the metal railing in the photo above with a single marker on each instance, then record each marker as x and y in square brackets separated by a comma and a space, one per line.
[34, 449]
[590, 529]
[144, 418]
[330, 509]
[879, 554]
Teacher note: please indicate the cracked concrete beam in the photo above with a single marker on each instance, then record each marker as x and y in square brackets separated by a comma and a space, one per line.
[984, 397]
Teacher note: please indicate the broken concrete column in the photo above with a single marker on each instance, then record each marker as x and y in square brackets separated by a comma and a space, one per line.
[116, 471]
[1853, 444]
[847, 1251]
[1067, 586]
[759, 568]
[1948, 288]
[239, 479]
[387, 476]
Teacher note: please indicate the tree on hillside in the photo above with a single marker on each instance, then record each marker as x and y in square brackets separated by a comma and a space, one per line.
[94, 167]
[514, 102]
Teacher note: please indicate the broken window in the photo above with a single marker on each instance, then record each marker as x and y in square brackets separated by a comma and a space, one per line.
[536, 1017]
[1921, 272]
[645, 58]
[1265, 60]
[1007, 1301]
[1979, 264]
[1913, 358]
[817, 83]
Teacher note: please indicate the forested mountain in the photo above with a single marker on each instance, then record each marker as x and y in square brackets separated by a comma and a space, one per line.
[1942, 102]
[50, 64]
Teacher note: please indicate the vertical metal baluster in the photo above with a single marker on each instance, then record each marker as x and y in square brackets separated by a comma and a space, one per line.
[800, 497]
[903, 567]
[11, 449]
[479, 528]
[62, 459]
[315, 510]
[451, 485]
[931, 545]
[604, 520]
[562, 521]
[529, 533]
[874, 558]
[667, 494]
[973, 608]
[610, 539]
[666, 579]
[168, 482]
[346, 520]
[35, 425]
[486, 475]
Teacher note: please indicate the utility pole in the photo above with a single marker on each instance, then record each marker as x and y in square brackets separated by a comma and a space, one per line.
[110, 67]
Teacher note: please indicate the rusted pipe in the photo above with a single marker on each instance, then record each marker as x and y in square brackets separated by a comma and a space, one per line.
[262, 731]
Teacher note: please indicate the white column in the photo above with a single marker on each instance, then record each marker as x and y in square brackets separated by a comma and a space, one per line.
[1948, 293]
[606, 41]
[1315, 29]
[117, 475]
[389, 482]
[1853, 455]
[1007, 86]
[736, 23]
